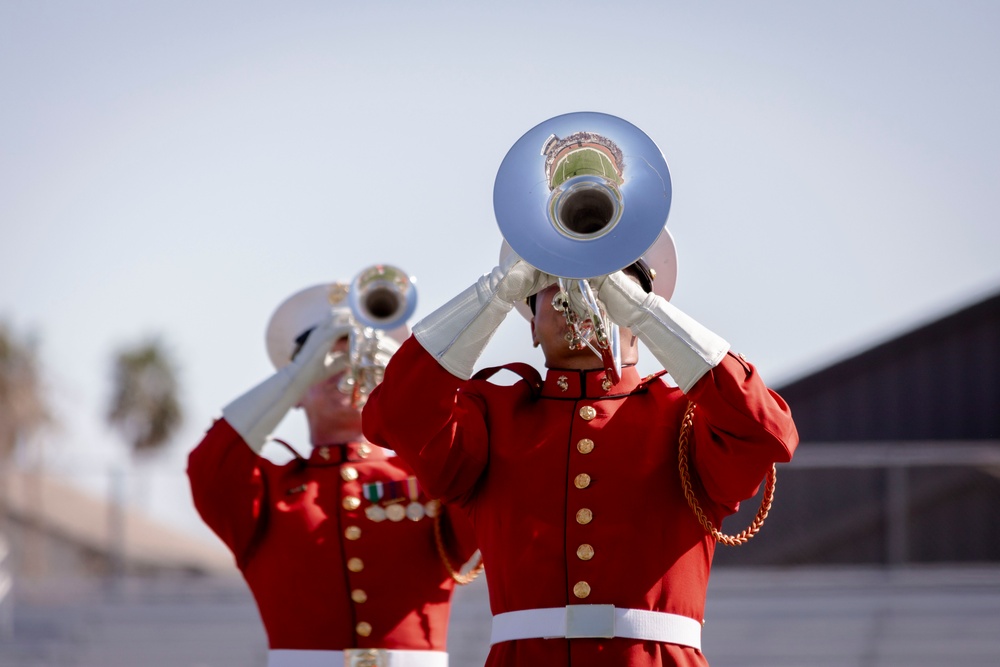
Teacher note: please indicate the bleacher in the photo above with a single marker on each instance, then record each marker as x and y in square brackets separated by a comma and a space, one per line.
[756, 617]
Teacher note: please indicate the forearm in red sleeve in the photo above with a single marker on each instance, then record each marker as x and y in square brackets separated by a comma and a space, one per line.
[420, 412]
[459, 536]
[741, 428]
[227, 487]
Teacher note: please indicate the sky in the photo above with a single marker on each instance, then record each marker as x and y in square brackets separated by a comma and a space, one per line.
[175, 170]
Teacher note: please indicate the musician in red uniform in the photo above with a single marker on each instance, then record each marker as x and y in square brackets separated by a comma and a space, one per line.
[337, 546]
[594, 557]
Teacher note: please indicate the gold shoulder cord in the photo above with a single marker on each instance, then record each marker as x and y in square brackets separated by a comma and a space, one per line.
[460, 579]
[682, 464]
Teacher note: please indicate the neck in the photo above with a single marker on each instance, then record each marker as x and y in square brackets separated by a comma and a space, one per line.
[585, 360]
[576, 363]
[328, 433]
[559, 355]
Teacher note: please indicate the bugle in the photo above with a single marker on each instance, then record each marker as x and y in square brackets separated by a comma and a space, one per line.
[579, 196]
[382, 298]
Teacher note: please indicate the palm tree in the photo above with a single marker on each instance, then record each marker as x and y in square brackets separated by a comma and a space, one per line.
[24, 409]
[145, 410]
[144, 405]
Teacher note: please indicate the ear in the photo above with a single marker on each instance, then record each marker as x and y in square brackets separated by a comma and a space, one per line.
[534, 338]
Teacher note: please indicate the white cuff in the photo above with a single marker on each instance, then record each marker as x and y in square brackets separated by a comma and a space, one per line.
[686, 349]
[457, 332]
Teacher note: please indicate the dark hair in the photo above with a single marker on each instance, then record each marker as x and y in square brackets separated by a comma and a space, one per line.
[300, 340]
[639, 270]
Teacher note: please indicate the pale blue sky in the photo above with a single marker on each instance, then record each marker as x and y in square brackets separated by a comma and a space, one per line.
[179, 168]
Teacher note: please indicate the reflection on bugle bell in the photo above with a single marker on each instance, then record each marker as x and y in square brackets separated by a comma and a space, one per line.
[382, 298]
[579, 196]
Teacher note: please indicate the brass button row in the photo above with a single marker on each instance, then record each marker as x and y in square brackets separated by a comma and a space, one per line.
[350, 474]
[358, 595]
[584, 516]
[583, 552]
[350, 503]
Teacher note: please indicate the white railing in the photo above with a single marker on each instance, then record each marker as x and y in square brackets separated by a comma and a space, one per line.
[897, 458]
[6, 598]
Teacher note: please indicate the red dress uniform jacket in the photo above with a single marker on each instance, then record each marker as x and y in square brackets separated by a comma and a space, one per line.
[325, 576]
[575, 510]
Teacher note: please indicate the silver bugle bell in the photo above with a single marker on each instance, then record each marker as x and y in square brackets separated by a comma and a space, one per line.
[382, 298]
[579, 196]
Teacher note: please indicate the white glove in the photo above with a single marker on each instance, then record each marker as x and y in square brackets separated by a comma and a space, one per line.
[457, 332]
[685, 348]
[255, 414]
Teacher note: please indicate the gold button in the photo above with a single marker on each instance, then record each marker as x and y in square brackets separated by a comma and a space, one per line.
[355, 564]
[352, 533]
[582, 480]
[324, 452]
[352, 503]
[588, 412]
[363, 628]
[359, 596]
[349, 473]
[585, 446]
[581, 589]
[364, 451]
[585, 552]
[584, 516]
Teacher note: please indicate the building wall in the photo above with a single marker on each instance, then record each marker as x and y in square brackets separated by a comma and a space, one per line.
[938, 383]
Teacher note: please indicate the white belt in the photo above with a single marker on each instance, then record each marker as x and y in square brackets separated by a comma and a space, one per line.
[592, 621]
[356, 657]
